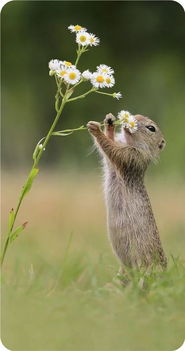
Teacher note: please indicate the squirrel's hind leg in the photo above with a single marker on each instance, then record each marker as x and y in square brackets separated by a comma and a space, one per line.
[122, 276]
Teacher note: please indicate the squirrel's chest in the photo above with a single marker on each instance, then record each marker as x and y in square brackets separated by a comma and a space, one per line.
[122, 199]
[115, 191]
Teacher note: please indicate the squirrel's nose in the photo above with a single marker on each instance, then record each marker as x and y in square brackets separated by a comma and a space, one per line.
[162, 144]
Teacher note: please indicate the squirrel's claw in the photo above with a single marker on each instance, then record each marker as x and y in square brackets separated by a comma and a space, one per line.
[109, 119]
[93, 127]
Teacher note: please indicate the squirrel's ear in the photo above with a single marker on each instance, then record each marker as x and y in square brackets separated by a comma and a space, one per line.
[162, 144]
[139, 117]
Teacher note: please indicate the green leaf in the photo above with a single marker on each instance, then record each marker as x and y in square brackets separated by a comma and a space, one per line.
[61, 133]
[16, 232]
[11, 219]
[69, 93]
[35, 153]
[29, 182]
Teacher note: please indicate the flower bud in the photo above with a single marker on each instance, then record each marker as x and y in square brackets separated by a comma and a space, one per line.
[41, 146]
[51, 73]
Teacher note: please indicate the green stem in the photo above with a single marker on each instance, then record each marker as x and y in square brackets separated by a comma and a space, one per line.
[35, 164]
[101, 92]
[50, 132]
[70, 131]
[4, 249]
[80, 51]
[56, 104]
[78, 57]
[83, 95]
[74, 86]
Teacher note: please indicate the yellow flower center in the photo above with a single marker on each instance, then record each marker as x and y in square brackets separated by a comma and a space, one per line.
[108, 80]
[92, 40]
[72, 75]
[100, 79]
[82, 38]
[67, 63]
[126, 117]
[77, 27]
[132, 124]
[104, 70]
[62, 73]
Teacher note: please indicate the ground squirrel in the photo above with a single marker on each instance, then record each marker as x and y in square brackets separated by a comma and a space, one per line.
[131, 224]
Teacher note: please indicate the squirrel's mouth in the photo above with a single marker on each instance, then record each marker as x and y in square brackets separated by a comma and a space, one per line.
[127, 137]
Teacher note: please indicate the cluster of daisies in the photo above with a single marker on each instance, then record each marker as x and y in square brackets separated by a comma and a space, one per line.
[84, 38]
[68, 73]
[128, 121]
[102, 78]
[64, 70]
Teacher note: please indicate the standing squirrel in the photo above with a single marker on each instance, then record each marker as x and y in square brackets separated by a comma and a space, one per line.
[131, 224]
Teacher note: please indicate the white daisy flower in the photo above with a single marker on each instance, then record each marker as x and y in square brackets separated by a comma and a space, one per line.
[124, 116]
[93, 40]
[132, 124]
[98, 80]
[82, 38]
[105, 69]
[72, 76]
[67, 64]
[128, 121]
[76, 28]
[117, 96]
[62, 71]
[54, 64]
[87, 75]
[109, 81]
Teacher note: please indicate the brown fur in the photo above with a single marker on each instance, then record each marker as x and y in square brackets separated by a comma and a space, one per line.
[131, 224]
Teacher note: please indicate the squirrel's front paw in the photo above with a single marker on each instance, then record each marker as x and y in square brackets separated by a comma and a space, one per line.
[109, 119]
[94, 128]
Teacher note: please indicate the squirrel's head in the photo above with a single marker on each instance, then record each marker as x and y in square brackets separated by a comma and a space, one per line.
[147, 138]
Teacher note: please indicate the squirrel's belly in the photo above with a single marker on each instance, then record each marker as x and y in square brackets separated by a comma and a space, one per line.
[119, 221]
[128, 229]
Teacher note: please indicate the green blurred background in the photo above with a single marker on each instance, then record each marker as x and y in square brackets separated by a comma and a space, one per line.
[58, 291]
[142, 41]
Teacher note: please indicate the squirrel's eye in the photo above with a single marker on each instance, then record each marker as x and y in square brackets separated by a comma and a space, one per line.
[151, 128]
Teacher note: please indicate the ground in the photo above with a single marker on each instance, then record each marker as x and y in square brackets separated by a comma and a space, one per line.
[59, 290]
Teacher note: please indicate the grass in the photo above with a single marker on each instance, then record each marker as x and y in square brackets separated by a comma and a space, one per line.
[59, 290]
